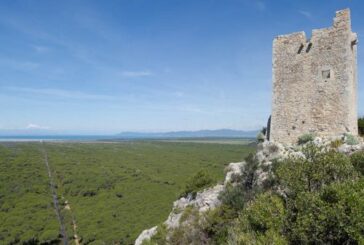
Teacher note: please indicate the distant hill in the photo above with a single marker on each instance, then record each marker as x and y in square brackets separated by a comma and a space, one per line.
[45, 133]
[218, 133]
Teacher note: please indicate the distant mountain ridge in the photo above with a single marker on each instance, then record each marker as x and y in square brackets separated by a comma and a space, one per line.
[45, 133]
[218, 133]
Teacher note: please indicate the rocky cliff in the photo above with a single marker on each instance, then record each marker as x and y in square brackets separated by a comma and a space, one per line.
[261, 174]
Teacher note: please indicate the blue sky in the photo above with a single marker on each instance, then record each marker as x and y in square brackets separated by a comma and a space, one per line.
[148, 65]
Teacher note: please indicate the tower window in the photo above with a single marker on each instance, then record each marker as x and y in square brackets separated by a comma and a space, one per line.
[309, 47]
[326, 74]
[300, 49]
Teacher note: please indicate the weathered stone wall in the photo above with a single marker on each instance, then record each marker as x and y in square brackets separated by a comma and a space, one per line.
[315, 82]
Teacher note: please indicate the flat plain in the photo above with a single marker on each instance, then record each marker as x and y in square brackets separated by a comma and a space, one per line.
[108, 192]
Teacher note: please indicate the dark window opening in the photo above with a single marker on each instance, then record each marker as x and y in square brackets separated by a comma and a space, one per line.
[353, 43]
[300, 49]
[303, 122]
[326, 74]
[309, 47]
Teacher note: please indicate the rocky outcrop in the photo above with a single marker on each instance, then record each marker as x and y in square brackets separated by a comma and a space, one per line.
[204, 201]
[267, 153]
[146, 234]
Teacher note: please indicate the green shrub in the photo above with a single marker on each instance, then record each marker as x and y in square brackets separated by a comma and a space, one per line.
[217, 222]
[187, 213]
[190, 232]
[202, 179]
[265, 213]
[336, 143]
[234, 197]
[357, 159]
[317, 170]
[248, 171]
[303, 139]
[262, 221]
[270, 237]
[260, 137]
[351, 139]
[332, 216]
[323, 198]
[361, 126]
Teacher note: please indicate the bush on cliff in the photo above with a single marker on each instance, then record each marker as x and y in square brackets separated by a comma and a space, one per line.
[235, 196]
[323, 204]
[202, 179]
[333, 215]
[318, 169]
[318, 199]
[303, 139]
[351, 139]
[261, 222]
[323, 194]
[357, 159]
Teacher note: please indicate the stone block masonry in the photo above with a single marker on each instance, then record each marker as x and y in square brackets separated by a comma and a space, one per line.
[315, 82]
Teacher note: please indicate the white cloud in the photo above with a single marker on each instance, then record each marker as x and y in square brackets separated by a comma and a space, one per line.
[136, 73]
[35, 126]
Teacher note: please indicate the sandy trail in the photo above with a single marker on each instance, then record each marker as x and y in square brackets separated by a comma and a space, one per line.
[74, 225]
[54, 197]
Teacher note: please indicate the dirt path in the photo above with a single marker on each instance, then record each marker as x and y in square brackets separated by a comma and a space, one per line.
[74, 225]
[54, 196]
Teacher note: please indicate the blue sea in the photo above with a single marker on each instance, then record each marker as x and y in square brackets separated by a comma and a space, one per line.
[58, 138]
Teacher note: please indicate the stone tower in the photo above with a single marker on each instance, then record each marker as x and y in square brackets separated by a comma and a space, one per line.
[315, 82]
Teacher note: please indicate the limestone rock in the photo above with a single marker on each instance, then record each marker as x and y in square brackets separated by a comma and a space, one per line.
[232, 168]
[146, 235]
[348, 149]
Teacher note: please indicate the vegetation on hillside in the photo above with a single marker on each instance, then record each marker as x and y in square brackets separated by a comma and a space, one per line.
[27, 215]
[201, 180]
[112, 190]
[316, 200]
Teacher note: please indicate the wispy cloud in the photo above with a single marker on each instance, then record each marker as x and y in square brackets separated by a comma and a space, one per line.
[73, 48]
[260, 5]
[19, 65]
[36, 126]
[136, 73]
[71, 94]
[40, 48]
[178, 94]
[306, 14]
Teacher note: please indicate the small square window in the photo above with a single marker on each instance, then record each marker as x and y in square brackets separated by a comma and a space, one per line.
[326, 74]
